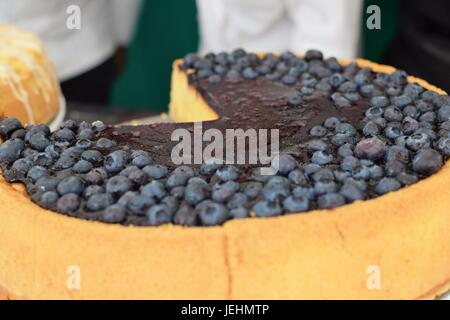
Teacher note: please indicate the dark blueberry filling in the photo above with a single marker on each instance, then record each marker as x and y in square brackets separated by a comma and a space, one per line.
[347, 134]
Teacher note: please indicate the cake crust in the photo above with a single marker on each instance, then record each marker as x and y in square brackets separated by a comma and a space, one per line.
[319, 255]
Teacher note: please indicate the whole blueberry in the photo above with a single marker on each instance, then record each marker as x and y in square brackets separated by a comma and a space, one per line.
[118, 185]
[93, 156]
[158, 215]
[323, 174]
[297, 177]
[345, 150]
[253, 189]
[96, 176]
[238, 213]
[228, 173]
[249, 73]
[304, 192]
[387, 185]
[349, 163]
[318, 131]
[284, 163]
[351, 192]
[195, 193]
[8, 126]
[444, 113]
[114, 214]
[331, 123]
[47, 183]
[48, 200]
[154, 189]
[186, 216]
[342, 138]
[71, 184]
[138, 204]
[443, 145]
[116, 161]
[321, 157]
[371, 129]
[379, 101]
[296, 204]
[313, 55]
[98, 202]
[418, 141]
[427, 162]
[21, 167]
[398, 153]
[393, 168]
[36, 172]
[410, 125]
[104, 143]
[267, 209]
[39, 142]
[64, 135]
[324, 186]
[180, 176]
[82, 166]
[91, 190]
[238, 200]
[330, 201]
[172, 204]
[316, 145]
[371, 149]
[86, 134]
[68, 203]
[274, 193]
[10, 150]
[407, 179]
[212, 213]
[155, 171]
[393, 130]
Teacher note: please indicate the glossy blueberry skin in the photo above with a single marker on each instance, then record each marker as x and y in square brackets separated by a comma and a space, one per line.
[154, 189]
[71, 184]
[195, 193]
[387, 185]
[228, 173]
[114, 214]
[330, 201]
[116, 161]
[138, 204]
[158, 215]
[211, 213]
[68, 203]
[427, 162]
[186, 216]
[284, 163]
[49, 199]
[179, 176]
[118, 185]
[10, 150]
[98, 202]
[321, 157]
[156, 171]
[8, 126]
[296, 204]
[264, 209]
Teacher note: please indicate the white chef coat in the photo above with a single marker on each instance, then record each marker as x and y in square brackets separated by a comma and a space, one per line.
[332, 26]
[105, 25]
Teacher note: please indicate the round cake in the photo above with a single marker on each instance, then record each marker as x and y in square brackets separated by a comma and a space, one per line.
[28, 87]
[358, 208]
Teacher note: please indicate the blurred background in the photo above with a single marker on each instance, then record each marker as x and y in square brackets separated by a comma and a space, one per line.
[121, 58]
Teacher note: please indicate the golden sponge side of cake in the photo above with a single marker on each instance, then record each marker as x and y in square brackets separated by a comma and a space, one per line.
[29, 90]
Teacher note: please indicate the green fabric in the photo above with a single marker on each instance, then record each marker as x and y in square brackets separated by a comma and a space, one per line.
[167, 30]
[376, 42]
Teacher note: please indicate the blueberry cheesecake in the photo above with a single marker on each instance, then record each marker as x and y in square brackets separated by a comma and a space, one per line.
[358, 195]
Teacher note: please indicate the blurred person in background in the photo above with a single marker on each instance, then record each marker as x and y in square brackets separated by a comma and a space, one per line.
[87, 60]
[422, 46]
[280, 25]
